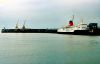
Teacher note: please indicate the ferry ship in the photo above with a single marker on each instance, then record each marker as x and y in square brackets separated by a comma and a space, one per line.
[80, 29]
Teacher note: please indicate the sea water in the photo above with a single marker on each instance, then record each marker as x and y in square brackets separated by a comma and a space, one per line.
[45, 48]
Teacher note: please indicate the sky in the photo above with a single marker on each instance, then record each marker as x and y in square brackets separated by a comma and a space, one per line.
[47, 13]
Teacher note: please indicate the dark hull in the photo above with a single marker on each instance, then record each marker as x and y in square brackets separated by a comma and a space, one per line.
[87, 32]
[83, 32]
[29, 31]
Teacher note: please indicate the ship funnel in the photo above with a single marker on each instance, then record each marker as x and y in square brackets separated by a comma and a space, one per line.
[71, 23]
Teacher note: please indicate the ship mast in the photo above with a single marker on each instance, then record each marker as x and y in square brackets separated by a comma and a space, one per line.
[24, 25]
[82, 21]
[16, 26]
[73, 17]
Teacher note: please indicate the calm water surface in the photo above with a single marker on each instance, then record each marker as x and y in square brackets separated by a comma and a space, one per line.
[39, 48]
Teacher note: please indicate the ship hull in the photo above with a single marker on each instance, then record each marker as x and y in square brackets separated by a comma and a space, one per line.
[83, 32]
[29, 30]
[87, 32]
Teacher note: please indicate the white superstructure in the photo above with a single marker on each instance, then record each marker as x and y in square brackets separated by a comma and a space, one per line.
[72, 28]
